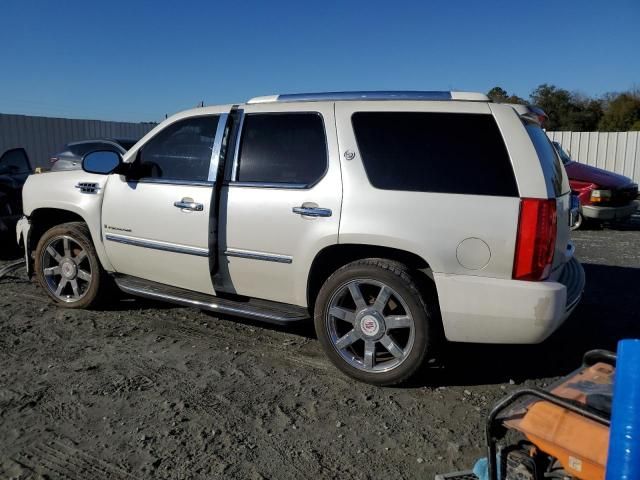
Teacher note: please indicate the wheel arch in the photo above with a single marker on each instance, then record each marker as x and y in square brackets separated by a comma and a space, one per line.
[330, 258]
[44, 218]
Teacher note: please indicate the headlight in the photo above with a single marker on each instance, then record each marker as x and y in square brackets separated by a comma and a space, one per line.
[600, 195]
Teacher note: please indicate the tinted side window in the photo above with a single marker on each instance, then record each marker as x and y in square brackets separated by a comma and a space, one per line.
[564, 156]
[182, 151]
[14, 161]
[548, 158]
[282, 148]
[434, 152]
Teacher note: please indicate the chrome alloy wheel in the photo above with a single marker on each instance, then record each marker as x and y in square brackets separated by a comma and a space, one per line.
[66, 268]
[370, 325]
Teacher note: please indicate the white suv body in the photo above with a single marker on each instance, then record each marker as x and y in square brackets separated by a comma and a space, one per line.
[273, 199]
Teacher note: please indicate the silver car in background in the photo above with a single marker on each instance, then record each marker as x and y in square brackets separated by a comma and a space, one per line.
[71, 157]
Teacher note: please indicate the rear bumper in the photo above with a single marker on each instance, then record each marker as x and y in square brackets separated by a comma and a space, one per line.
[609, 213]
[491, 310]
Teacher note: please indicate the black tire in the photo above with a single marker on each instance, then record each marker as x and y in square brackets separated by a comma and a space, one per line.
[580, 222]
[396, 276]
[100, 283]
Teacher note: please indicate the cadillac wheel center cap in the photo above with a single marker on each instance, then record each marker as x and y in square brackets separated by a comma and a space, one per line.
[68, 269]
[370, 325]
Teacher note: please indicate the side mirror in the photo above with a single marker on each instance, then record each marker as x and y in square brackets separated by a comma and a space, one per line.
[101, 161]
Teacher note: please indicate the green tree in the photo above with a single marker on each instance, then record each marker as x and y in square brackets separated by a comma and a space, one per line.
[586, 114]
[622, 113]
[556, 102]
[497, 94]
[567, 110]
[500, 95]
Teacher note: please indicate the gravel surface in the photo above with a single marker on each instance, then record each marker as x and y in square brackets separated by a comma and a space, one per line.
[147, 390]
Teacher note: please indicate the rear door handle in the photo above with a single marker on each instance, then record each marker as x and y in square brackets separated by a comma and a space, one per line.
[189, 204]
[312, 211]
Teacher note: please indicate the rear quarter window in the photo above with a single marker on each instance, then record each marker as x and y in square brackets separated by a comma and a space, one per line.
[549, 160]
[434, 152]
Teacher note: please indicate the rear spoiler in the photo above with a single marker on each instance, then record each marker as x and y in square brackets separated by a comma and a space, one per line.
[530, 112]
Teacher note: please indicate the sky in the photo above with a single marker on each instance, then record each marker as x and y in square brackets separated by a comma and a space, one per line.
[138, 60]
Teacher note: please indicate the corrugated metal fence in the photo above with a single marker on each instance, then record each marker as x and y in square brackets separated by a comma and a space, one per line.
[43, 137]
[615, 151]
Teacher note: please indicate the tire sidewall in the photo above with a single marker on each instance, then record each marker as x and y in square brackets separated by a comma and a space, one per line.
[411, 297]
[580, 223]
[78, 235]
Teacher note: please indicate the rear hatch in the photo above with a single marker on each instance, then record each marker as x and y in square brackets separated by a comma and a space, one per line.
[558, 187]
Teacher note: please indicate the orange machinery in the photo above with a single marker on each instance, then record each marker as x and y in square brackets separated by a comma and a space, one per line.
[560, 433]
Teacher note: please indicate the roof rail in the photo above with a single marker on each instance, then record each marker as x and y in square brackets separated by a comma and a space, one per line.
[372, 95]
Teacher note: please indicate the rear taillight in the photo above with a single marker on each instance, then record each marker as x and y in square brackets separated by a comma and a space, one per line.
[536, 239]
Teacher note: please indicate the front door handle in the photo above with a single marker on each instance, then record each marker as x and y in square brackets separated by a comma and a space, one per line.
[309, 211]
[189, 204]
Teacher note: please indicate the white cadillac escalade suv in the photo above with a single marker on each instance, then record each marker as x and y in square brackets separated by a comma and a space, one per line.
[395, 219]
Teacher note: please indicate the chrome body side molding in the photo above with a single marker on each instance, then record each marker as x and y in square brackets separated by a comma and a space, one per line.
[156, 245]
[267, 257]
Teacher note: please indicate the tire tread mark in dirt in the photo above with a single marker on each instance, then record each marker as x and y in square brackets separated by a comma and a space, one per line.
[62, 462]
[209, 408]
[26, 400]
[172, 327]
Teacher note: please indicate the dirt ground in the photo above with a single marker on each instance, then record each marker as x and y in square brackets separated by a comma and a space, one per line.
[148, 390]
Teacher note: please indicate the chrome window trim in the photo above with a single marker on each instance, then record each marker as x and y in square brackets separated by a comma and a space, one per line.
[236, 149]
[294, 186]
[171, 181]
[298, 186]
[168, 181]
[156, 245]
[252, 255]
[217, 147]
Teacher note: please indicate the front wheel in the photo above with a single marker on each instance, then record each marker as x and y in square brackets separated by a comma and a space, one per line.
[579, 222]
[372, 321]
[67, 266]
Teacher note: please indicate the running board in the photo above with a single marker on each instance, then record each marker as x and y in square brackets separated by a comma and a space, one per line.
[254, 309]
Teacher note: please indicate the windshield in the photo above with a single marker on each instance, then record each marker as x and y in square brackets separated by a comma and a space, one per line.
[564, 156]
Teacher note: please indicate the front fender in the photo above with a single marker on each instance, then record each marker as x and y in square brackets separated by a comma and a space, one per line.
[59, 190]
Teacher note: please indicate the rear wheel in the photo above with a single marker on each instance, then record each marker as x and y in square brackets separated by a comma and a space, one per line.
[67, 266]
[372, 321]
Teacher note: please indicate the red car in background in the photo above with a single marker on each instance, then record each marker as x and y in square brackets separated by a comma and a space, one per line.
[603, 195]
